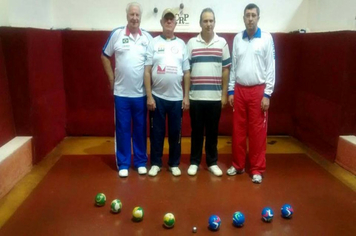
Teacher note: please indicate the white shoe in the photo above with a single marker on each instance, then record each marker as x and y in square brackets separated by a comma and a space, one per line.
[175, 171]
[257, 179]
[192, 170]
[215, 170]
[233, 171]
[123, 173]
[142, 170]
[154, 170]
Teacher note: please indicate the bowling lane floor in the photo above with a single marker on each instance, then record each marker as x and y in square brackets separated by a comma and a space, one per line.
[88, 165]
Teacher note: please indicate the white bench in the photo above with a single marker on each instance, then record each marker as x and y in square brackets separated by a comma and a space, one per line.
[15, 162]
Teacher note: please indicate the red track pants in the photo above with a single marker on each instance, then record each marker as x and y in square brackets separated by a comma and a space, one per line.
[249, 120]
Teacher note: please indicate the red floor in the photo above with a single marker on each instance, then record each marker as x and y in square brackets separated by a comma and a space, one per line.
[63, 203]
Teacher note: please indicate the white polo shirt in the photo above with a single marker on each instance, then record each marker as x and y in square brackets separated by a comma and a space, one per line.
[207, 61]
[169, 59]
[253, 61]
[130, 54]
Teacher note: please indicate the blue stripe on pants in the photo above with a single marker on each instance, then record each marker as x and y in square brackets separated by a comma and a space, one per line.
[130, 120]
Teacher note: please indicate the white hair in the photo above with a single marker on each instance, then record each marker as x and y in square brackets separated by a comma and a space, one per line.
[133, 4]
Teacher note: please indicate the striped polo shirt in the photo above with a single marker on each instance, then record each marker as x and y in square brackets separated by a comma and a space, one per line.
[207, 62]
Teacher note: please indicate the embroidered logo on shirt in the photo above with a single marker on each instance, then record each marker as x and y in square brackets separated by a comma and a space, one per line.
[125, 40]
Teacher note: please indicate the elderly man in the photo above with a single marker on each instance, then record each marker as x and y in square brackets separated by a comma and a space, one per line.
[166, 65]
[129, 44]
[210, 61]
[250, 88]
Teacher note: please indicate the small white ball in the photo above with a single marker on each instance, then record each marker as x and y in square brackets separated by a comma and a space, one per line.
[194, 229]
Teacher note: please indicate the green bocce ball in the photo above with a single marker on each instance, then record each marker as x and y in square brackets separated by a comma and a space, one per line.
[100, 199]
[116, 206]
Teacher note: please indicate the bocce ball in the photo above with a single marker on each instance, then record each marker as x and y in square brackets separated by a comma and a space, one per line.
[116, 206]
[214, 222]
[287, 211]
[267, 214]
[169, 220]
[137, 213]
[238, 219]
[100, 199]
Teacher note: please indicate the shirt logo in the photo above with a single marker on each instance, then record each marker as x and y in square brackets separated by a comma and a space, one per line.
[161, 69]
[161, 49]
[125, 40]
[174, 50]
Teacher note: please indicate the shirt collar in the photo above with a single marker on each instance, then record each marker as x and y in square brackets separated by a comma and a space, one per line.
[162, 36]
[256, 35]
[215, 38]
[127, 33]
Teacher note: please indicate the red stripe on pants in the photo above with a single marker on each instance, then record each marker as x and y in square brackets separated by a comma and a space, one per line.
[249, 120]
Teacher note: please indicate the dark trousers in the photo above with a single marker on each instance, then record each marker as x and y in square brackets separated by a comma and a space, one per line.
[173, 111]
[204, 116]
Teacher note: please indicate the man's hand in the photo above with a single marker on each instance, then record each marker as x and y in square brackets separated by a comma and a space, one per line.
[185, 104]
[265, 104]
[223, 101]
[231, 100]
[151, 104]
[111, 84]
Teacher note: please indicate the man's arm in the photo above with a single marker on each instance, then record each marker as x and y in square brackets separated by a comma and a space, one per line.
[108, 70]
[225, 81]
[151, 104]
[270, 75]
[186, 80]
[232, 80]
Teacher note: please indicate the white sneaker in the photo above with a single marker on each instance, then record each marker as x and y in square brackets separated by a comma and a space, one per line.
[154, 171]
[192, 170]
[123, 173]
[215, 170]
[175, 171]
[142, 170]
[257, 179]
[233, 171]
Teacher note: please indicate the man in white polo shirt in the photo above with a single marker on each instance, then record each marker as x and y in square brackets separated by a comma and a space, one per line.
[251, 85]
[129, 45]
[210, 61]
[166, 66]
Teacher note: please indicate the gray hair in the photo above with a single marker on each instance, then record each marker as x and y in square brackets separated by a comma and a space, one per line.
[133, 4]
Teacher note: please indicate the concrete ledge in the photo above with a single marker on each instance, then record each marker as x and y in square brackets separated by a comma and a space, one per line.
[346, 153]
[15, 162]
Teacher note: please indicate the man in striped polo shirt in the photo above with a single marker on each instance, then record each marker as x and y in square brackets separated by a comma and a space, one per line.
[129, 45]
[251, 85]
[210, 61]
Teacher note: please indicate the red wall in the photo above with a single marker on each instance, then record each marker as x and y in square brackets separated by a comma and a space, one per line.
[325, 94]
[57, 87]
[33, 60]
[7, 127]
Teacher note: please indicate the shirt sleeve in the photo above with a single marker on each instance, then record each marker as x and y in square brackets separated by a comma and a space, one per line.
[232, 78]
[186, 65]
[270, 68]
[108, 49]
[149, 54]
[226, 59]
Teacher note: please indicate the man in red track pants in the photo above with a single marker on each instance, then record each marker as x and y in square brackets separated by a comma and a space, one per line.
[251, 85]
